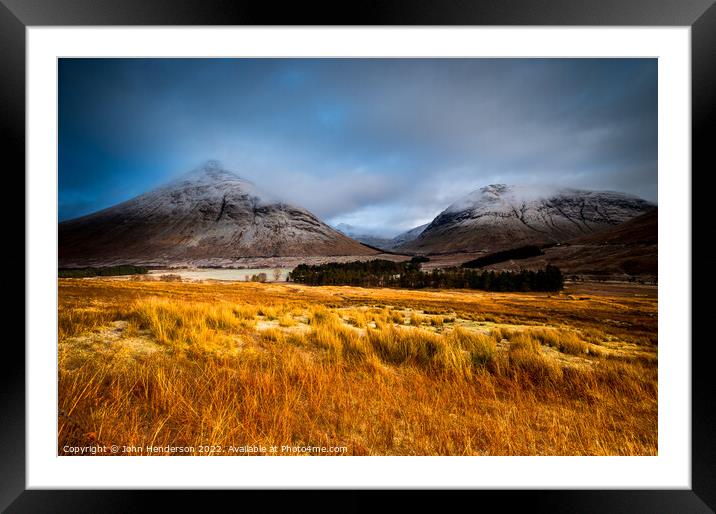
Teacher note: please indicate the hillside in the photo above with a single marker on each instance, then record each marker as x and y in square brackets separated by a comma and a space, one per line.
[629, 249]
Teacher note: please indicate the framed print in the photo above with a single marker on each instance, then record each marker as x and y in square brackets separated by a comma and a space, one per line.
[440, 248]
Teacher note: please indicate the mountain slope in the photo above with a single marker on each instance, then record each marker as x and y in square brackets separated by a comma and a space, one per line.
[640, 230]
[207, 214]
[498, 217]
[630, 248]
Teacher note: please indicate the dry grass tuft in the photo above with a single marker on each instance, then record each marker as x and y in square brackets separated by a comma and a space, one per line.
[565, 341]
[417, 319]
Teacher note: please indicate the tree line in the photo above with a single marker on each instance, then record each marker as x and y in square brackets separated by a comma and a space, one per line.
[107, 271]
[523, 252]
[383, 273]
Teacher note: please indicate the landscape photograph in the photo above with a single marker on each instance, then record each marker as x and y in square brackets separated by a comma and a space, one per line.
[357, 257]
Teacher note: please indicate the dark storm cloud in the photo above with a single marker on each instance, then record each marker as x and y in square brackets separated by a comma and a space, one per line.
[380, 144]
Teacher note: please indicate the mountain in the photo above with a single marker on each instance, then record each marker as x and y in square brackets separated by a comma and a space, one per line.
[207, 215]
[359, 235]
[408, 236]
[383, 243]
[498, 217]
[630, 248]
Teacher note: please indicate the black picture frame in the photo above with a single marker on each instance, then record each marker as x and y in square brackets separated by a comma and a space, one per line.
[700, 15]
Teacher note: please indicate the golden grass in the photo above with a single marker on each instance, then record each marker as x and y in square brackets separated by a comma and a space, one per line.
[380, 372]
[565, 341]
[417, 319]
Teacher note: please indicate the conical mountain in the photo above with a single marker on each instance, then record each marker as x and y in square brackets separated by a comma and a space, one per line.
[499, 216]
[207, 215]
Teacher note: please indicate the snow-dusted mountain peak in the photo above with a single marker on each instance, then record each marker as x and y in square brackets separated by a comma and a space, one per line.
[501, 216]
[207, 213]
[491, 197]
[210, 172]
[494, 189]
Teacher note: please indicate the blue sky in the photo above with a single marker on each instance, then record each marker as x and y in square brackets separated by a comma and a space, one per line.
[381, 144]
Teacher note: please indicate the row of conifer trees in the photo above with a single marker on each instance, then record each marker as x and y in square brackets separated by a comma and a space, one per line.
[383, 273]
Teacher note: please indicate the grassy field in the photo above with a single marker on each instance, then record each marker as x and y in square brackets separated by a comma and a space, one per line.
[211, 367]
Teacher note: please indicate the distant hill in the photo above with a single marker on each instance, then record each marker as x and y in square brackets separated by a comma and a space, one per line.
[358, 235]
[388, 244]
[408, 236]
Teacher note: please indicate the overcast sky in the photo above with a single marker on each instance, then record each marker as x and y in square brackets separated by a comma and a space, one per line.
[381, 144]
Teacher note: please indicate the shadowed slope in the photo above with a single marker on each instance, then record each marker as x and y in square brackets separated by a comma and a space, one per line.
[630, 248]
